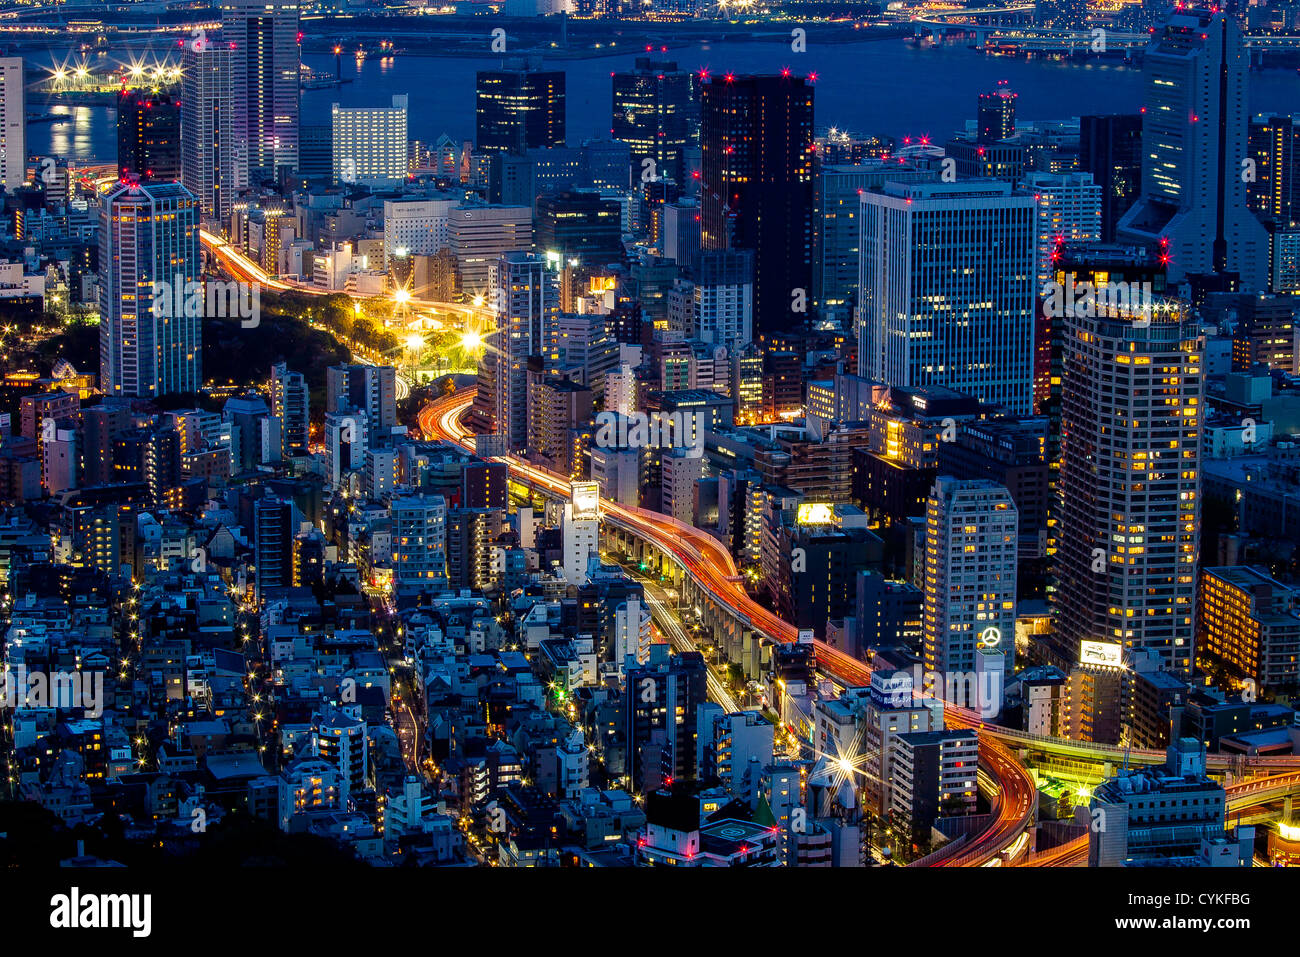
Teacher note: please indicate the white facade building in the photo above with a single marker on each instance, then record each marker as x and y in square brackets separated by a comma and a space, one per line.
[1069, 210]
[971, 534]
[13, 124]
[369, 144]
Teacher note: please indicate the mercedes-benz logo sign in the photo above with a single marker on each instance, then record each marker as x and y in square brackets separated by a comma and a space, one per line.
[990, 637]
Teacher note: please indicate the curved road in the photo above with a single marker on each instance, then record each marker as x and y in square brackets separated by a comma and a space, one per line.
[245, 269]
[714, 570]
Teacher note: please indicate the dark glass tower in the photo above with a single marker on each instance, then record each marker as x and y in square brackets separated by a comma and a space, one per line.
[148, 137]
[520, 108]
[656, 113]
[997, 114]
[1110, 148]
[756, 141]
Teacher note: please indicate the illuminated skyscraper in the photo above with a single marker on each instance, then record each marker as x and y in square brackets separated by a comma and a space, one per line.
[520, 108]
[369, 144]
[948, 289]
[1069, 211]
[150, 326]
[656, 113]
[13, 124]
[148, 136]
[524, 294]
[1194, 140]
[756, 140]
[265, 59]
[207, 124]
[969, 622]
[1130, 478]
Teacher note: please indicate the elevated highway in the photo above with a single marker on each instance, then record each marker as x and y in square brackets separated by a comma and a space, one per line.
[710, 569]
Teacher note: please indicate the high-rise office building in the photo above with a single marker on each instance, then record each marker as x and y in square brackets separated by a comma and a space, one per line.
[289, 404]
[148, 136]
[519, 108]
[263, 38]
[1129, 498]
[839, 229]
[478, 235]
[756, 141]
[969, 620]
[1110, 148]
[680, 235]
[207, 124]
[150, 336]
[1194, 139]
[1273, 186]
[582, 226]
[1069, 211]
[947, 289]
[13, 124]
[656, 112]
[524, 294]
[996, 117]
[369, 144]
[316, 150]
[419, 226]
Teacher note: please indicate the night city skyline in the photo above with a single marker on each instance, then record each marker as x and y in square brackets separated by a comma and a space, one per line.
[691, 433]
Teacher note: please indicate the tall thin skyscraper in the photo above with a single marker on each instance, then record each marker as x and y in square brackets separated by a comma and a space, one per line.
[948, 289]
[756, 141]
[656, 112]
[1130, 479]
[1194, 138]
[13, 124]
[207, 124]
[520, 108]
[525, 296]
[148, 136]
[265, 59]
[971, 534]
[150, 326]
